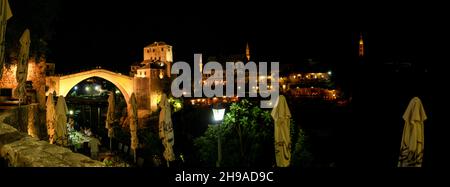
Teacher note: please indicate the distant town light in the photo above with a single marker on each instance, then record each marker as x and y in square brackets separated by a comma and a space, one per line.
[70, 112]
[75, 88]
[329, 72]
[117, 92]
[97, 88]
[284, 86]
[87, 88]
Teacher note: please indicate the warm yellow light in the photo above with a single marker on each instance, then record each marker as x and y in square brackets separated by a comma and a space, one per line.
[284, 86]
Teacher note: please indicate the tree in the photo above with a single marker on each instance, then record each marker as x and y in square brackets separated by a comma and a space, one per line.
[246, 137]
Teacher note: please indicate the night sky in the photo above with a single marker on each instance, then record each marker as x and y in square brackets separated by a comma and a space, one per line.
[112, 35]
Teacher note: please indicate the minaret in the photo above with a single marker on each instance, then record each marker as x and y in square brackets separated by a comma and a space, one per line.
[361, 45]
[247, 53]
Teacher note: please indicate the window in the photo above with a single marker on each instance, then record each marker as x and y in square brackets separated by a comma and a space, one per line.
[145, 73]
[148, 50]
[162, 49]
[153, 50]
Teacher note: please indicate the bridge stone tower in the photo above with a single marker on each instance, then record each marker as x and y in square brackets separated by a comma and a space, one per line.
[159, 52]
[150, 74]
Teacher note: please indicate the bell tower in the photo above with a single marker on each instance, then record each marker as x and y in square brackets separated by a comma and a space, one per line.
[361, 45]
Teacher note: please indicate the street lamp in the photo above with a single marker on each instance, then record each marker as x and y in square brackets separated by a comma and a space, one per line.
[218, 113]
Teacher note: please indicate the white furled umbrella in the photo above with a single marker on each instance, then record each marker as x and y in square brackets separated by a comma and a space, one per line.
[411, 149]
[61, 121]
[166, 129]
[282, 118]
[22, 65]
[51, 118]
[133, 124]
[5, 14]
[110, 118]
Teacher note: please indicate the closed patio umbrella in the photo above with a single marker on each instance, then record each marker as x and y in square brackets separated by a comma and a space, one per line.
[61, 121]
[282, 118]
[166, 129]
[412, 145]
[50, 118]
[22, 65]
[133, 124]
[5, 14]
[110, 118]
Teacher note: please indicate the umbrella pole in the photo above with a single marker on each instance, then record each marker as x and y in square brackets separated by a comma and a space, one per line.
[134, 156]
[110, 144]
[19, 116]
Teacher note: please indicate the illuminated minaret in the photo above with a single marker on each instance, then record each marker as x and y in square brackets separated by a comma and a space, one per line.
[361, 45]
[247, 53]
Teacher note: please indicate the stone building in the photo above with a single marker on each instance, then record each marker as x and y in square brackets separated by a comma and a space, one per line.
[151, 74]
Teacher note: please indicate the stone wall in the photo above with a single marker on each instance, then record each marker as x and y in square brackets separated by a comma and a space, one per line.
[36, 74]
[20, 150]
[29, 119]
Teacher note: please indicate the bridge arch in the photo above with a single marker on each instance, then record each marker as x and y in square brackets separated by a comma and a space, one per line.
[122, 82]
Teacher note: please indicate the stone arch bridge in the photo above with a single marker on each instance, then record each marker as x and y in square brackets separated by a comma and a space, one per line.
[146, 89]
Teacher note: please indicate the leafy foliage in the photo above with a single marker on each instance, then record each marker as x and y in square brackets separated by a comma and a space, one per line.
[246, 138]
[301, 156]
